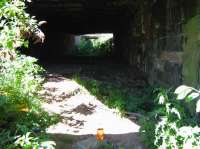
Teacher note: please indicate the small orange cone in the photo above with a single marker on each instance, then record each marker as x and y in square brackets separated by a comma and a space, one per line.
[100, 134]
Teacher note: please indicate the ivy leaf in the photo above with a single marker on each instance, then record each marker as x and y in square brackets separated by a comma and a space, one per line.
[198, 106]
[192, 96]
[26, 44]
[161, 100]
[10, 44]
[183, 91]
[2, 23]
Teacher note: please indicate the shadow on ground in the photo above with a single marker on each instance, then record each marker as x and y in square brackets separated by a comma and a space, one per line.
[113, 141]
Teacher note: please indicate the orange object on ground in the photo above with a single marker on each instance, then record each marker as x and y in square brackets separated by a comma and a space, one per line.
[100, 134]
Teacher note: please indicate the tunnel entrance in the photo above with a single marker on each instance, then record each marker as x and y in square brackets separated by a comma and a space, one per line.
[149, 35]
[68, 19]
[72, 30]
[71, 47]
[65, 47]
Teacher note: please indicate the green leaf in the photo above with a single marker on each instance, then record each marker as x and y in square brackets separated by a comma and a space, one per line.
[198, 106]
[183, 91]
[161, 100]
[26, 44]
[10, 44]
[192, 96]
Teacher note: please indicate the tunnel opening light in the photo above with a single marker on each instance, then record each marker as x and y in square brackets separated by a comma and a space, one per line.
[99, 44]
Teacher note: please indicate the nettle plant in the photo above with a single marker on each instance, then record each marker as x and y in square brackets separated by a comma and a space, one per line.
[172, 131]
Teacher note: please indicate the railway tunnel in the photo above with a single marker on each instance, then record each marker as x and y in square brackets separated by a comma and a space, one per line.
[68, 18]
[156, 36]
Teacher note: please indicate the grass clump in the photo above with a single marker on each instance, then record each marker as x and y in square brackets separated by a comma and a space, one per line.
[124, 99]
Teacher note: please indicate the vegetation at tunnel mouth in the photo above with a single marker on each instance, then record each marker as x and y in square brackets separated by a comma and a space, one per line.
[100, 46]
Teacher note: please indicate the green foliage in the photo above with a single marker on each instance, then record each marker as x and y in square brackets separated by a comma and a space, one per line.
[171, 125]
[22, 122]
[26, 130]
[171, 131]
[94, 47]
[27, 141]
[147, 130]
[20, 115]
[14, 22]
[19, 83]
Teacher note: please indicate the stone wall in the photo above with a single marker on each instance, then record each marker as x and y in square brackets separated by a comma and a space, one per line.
[166, 42]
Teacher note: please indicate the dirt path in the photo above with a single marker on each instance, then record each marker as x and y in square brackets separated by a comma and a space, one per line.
[82, 114]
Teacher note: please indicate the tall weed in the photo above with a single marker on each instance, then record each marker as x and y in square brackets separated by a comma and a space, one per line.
[20, 81]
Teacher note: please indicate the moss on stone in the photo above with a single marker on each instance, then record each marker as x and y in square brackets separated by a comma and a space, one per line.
[191, 55]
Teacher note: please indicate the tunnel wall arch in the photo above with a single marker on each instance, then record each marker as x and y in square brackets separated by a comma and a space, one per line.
[149, 35]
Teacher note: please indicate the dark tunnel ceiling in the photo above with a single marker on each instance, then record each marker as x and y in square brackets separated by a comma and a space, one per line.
[82, 16]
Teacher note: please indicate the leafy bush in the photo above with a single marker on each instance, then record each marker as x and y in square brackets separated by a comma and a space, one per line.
[14, 23]
[25, 141]
[22, 122]
[171, 125]
[20, 115]
[19, 83]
